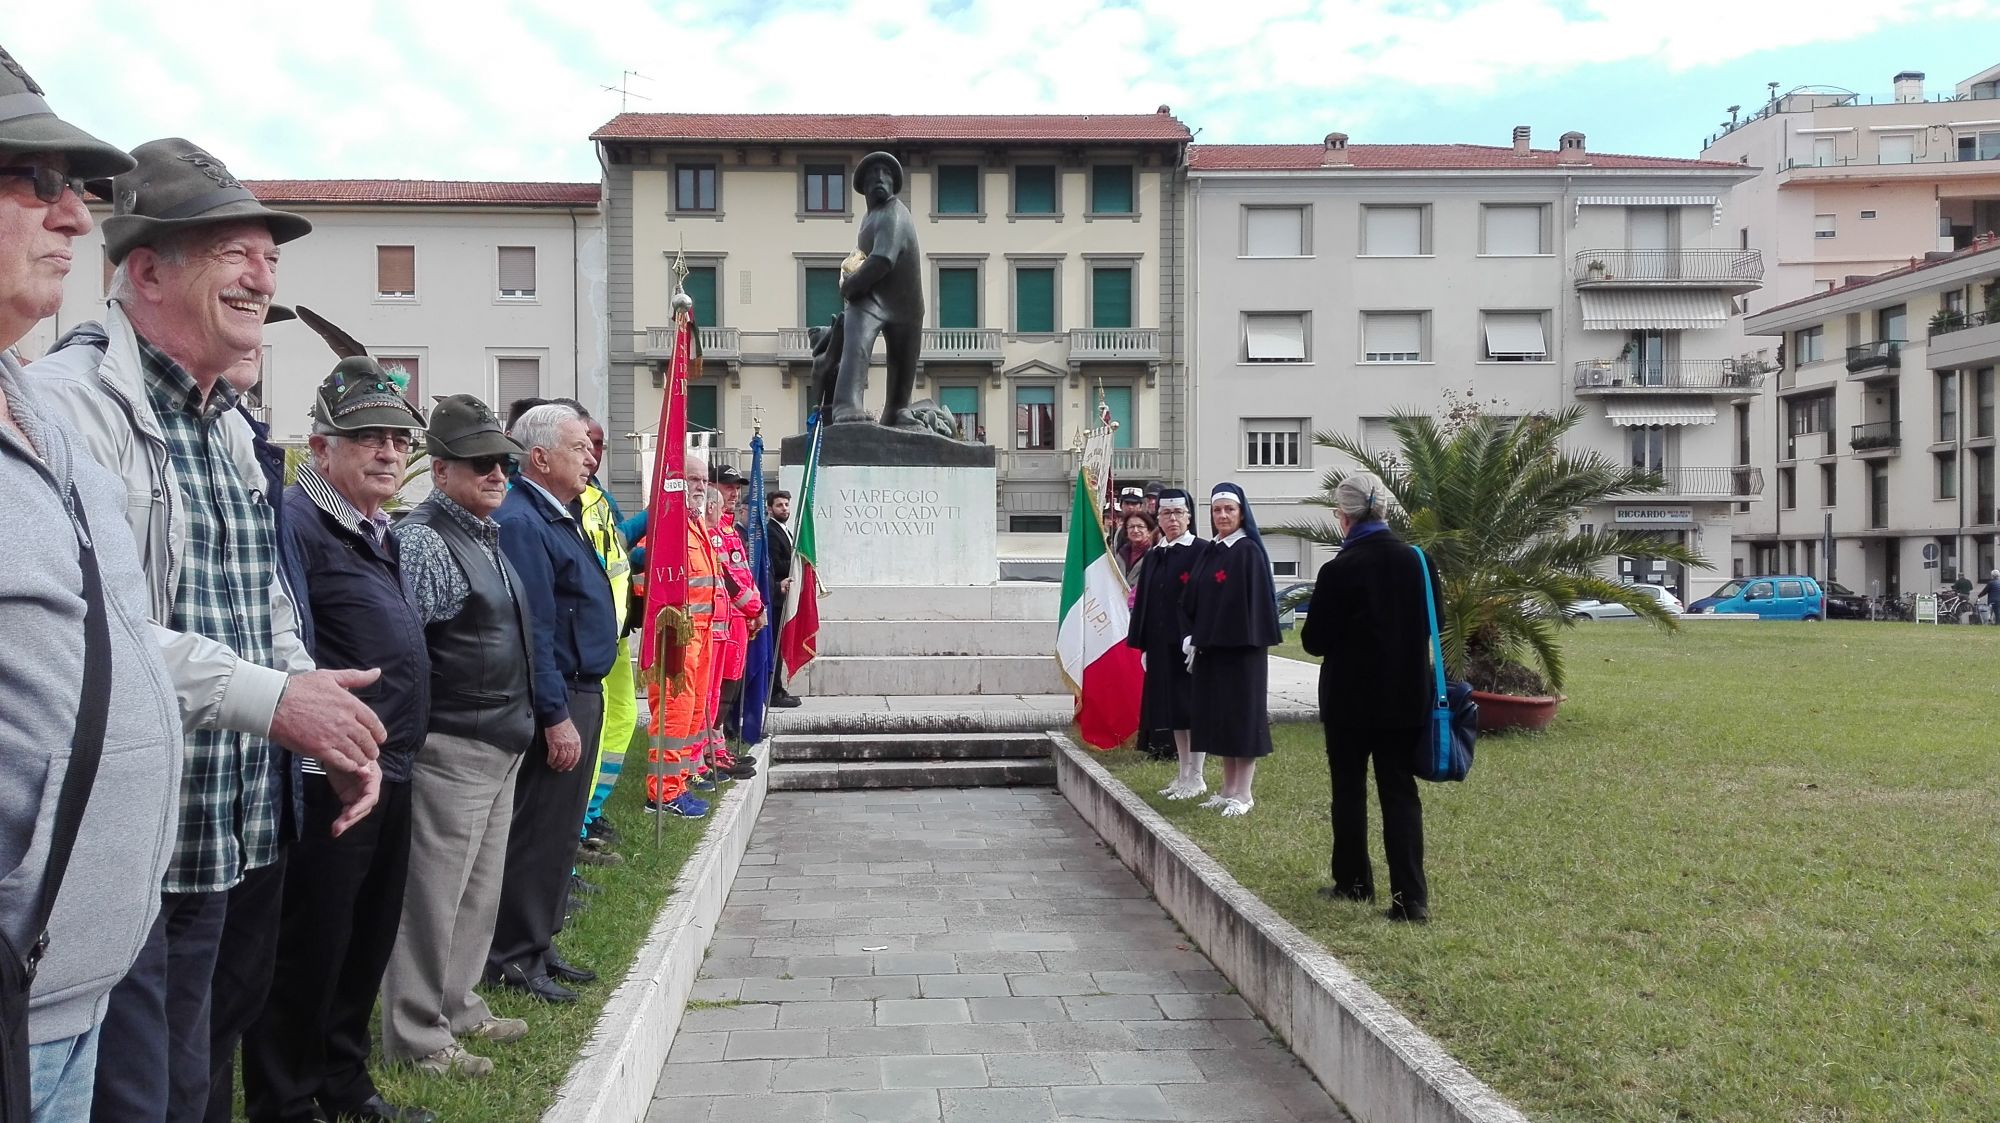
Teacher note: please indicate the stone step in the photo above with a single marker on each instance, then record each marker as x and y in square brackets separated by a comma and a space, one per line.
[941, 713]
[969, 637]
[835, 747]
[847, 776]
[1008, 600]
[839, 675]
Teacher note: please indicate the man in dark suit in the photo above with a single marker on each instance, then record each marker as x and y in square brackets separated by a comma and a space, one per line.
[576, 640]
[778, 549]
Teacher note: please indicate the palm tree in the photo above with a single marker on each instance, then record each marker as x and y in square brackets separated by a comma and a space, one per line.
[1494, 501]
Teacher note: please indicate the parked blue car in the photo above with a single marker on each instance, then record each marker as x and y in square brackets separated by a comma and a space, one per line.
[1784, 596]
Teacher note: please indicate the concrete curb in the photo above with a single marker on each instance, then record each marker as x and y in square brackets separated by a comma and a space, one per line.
[613, 1079]
[1378, 1065]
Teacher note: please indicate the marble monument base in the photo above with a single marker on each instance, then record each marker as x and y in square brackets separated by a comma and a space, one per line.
[902, 525]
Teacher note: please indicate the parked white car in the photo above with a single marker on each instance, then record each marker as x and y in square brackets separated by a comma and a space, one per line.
[1604, 610]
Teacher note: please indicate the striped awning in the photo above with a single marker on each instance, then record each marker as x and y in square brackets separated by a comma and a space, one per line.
[1666, 309]
[1659, 413]
[1712, 202]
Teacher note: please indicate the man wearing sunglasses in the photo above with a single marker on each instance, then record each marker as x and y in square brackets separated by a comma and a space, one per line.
[482, 720]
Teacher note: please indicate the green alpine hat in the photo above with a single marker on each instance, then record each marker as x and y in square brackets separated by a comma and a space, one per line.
[463, 427]
[27, 124]
[359, 395]
[176, 187]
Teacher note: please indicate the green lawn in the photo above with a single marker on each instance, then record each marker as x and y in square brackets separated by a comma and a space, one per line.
[1749, 875]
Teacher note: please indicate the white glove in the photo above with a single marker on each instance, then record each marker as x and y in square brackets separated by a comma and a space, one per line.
[1190, 658]
[1142, 661]
[1187, 645]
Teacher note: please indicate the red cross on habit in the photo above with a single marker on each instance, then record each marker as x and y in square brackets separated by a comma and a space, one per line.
[1220, 577]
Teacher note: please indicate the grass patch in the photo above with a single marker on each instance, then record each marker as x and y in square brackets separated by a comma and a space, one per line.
[1746, 876]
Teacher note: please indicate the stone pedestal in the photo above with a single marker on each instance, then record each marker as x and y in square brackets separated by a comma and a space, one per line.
[899, 509]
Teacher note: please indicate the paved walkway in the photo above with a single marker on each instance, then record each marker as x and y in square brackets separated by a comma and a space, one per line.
[960, 956]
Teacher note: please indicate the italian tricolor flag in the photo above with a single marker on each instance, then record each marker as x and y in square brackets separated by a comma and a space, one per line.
[1103, 673]
[798, 626]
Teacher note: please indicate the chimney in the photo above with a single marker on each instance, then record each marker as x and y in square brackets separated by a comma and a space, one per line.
[1571, 149]
[1521, 140]
[1910, 86]
[1336, 151]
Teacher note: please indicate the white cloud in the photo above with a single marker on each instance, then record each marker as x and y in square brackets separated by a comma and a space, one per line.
[511, 88]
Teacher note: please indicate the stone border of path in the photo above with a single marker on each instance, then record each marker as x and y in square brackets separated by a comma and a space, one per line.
[1374, 1062]
[613, 1079]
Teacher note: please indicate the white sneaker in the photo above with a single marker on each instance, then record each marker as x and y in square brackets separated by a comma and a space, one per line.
[453, 1060]
[1192, 791]
[1216, 800]
[1237, 808]
[500, 1031]
[1173, 790]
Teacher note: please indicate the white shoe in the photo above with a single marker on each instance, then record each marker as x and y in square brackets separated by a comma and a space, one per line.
[1173, 790]
[1216, 800]
[1195, 792]
[1237, 808]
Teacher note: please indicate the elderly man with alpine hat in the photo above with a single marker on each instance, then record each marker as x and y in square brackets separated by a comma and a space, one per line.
[73, 606]
[482, 721]
[196, 258]
[306, 1056]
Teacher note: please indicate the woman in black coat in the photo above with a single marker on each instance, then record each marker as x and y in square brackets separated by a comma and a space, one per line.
[1369, 623]
[1156, 630]
[1229, 613]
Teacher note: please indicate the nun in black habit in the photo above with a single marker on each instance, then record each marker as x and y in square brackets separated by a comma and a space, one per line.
[1156, 630]
[1229, 615]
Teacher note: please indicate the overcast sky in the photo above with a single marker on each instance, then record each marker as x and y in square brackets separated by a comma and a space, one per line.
[510, 89]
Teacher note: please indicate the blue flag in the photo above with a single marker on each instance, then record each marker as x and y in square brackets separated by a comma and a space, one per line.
[757, 666]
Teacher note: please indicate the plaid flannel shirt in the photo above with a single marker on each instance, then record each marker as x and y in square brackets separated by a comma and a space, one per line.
[231, 782]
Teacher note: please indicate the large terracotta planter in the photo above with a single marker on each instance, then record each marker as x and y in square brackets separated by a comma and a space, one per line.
[1502, 713]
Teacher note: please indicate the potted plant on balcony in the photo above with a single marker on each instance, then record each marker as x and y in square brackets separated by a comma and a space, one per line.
[1945, 320]
[1494, 502]
[1593, 271]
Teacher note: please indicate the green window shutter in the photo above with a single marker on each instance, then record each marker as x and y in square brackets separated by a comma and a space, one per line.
[1034, 300]
[822, 296]
[701, 286]
[1111, 298]
[704, 411]
[1118, 399]
[1111, 189]
[958, 189]
[1035, 189]
[962, 402]
[958, 298]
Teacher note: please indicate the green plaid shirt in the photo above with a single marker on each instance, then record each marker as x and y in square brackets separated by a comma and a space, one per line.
[230, 782]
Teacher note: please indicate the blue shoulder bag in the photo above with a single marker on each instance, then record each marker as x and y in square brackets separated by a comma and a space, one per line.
[1454, 725]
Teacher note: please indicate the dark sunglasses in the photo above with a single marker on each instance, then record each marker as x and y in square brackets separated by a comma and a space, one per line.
[49, 182]
[484, 465]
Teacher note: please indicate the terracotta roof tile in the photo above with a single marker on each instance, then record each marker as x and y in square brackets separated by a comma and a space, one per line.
[1472, 157]
[434, 192]
[890, 128]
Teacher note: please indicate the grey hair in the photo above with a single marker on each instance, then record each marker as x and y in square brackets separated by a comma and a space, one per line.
[325, 429]
[695, 466]
[541, 427]
[174, 249]
[1363, 496]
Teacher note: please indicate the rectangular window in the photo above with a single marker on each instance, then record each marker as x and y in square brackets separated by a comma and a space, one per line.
[704, 408]
[1118, 399]
[1788, 488]
[1111, 189]
[1515, 337]
[1392, 337]
[517, 272]
[826, 189]
[1377, 437]
[1742, 414]
[1979, 146]
[1947, 475]
[1878, 495]
[1035, 300]
[1982, 402]
[1515, 231]
[396, 272]
[694, 187]
[515, 379]
[1828, 485]
[1809, 344]
[962, 402]
[957, 189]
[411, 369]
[1392, 232]
[1892, 323]
[1274, 232]
[1646, 448]
[1982, 480]
[1035, 418]
[1269, 443]
[1111, 297]
[822, 295]
[1895, 148]
[1947, 405]
[1822, 226]
[1809, 415]
[1274, 337]
[958, 298]
[701, 287]
[1035, 189]
[1823, 152]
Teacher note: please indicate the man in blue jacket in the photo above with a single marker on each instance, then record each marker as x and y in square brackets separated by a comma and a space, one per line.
[576, 639]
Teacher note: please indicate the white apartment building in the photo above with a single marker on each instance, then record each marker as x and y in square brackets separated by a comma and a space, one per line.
[1054, 257]
[1336, 283]
[1884, 473]
[493, 289]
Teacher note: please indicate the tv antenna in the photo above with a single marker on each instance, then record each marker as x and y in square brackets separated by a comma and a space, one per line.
[624, 89]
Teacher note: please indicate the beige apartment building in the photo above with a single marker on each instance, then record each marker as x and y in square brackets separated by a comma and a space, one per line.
[1884, 473]
[1053, 276]
[1338, 282]
[486, 288]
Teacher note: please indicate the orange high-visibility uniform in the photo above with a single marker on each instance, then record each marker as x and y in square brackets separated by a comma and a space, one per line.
[680, 720]
[745, 606]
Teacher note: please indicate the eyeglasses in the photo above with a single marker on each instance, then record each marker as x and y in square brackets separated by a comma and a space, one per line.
[484, 465]
[49, 182]
[376, 439]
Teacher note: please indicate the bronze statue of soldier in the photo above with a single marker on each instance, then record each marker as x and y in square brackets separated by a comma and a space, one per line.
[884, 297]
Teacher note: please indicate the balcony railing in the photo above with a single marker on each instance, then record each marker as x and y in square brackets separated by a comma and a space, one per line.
[1944, 323]
[1703, 376]
[1731, 269]
[1739, 482]
[1883, 355]
[1808, 445]
[1127, 464]
[965, 344]
[1114, 344]
[1876, 437]
[716, 343]
[794, 345]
